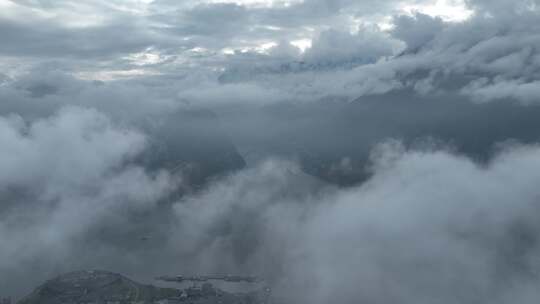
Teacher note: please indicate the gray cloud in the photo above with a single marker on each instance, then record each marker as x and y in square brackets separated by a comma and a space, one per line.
[504, 8]
[486, 90]
[115, 120]
[219, 20]
[338, 48]
[417, 31]
[418, 231]
[60, 177]
[44, 39]
[440, 56]
[194, 34]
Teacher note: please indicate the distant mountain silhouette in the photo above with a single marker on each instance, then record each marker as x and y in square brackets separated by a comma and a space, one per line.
[191, 142]
[102, 287]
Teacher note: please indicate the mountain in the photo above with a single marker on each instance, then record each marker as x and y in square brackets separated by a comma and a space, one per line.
[333, 139]
[95, 287]
[191, 142]
[102, 287]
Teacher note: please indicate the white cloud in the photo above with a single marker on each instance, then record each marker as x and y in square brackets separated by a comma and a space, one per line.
[73, 170]
[448, 10]
[428, 225]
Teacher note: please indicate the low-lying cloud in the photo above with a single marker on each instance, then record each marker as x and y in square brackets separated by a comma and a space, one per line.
[107, 107]
[60, 178]
[428, 226]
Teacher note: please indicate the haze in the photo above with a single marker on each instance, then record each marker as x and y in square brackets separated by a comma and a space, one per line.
[347, 151]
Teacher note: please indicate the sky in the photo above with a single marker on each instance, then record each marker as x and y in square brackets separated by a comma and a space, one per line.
[347, 151]
[141, 38]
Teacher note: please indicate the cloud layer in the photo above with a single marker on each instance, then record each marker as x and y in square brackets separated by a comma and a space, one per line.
[429, 226]
[346, 151]
[352, 48]
[60, 177]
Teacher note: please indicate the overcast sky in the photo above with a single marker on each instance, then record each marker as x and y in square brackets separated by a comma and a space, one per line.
[373, 151]
[280, 50]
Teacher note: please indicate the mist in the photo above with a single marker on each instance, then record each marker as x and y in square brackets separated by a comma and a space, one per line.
[429, 225]
[341, 151]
